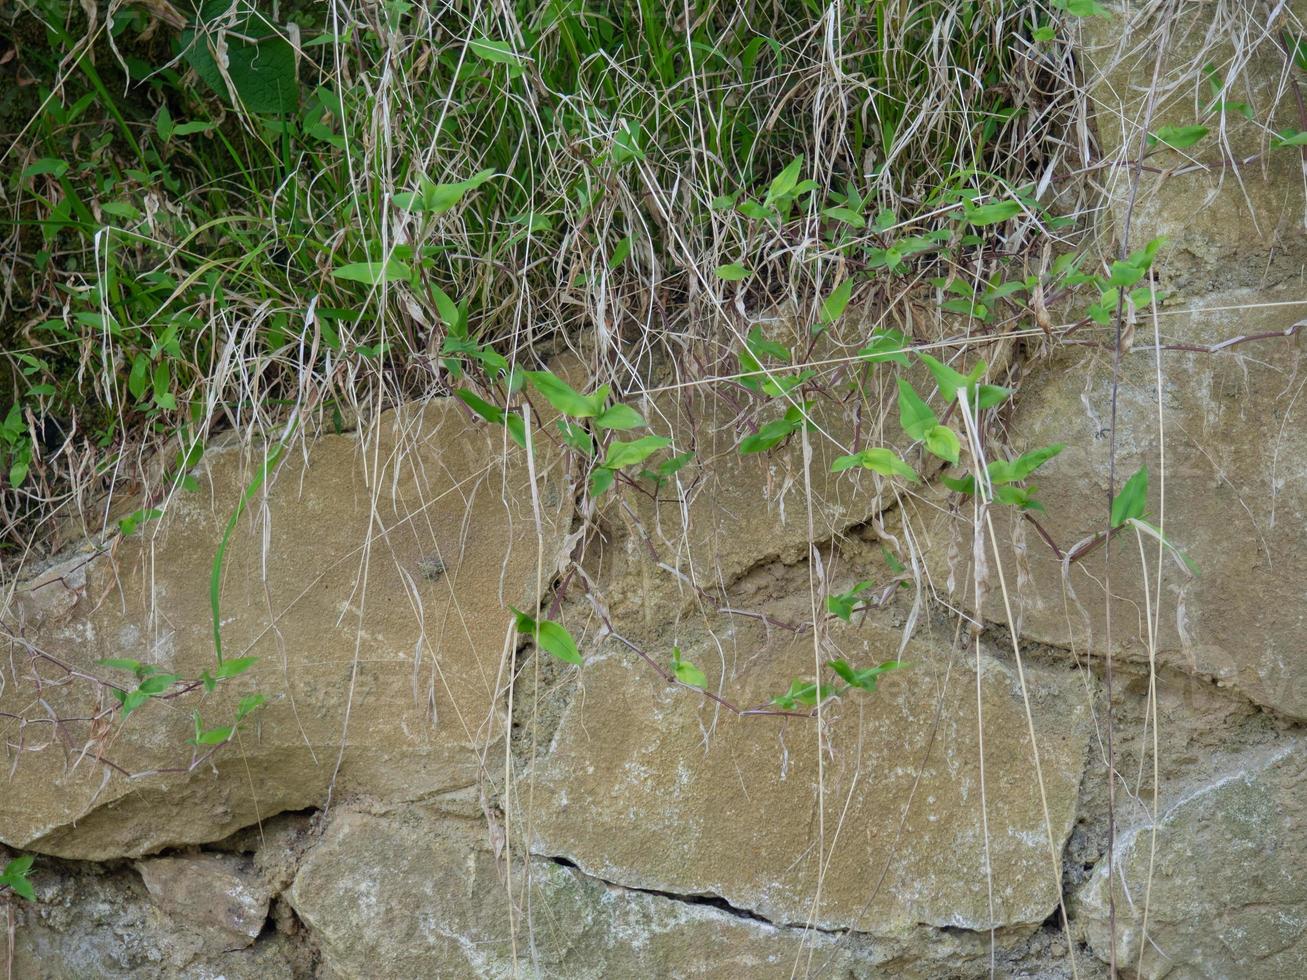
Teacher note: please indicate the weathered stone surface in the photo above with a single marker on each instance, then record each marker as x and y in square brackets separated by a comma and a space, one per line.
[727, 512]
[88, 924]
[1226, 226]
[419, 894]
[645, 786]
[1236, 500]
[1229, 877]
[219, 896]
[360, 643]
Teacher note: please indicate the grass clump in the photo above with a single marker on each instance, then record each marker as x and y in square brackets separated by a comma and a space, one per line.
[374, 199]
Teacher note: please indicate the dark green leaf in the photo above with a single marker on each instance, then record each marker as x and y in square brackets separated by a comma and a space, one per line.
[1130, 503]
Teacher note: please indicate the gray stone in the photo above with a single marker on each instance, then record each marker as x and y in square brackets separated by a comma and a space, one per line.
[1229, 877]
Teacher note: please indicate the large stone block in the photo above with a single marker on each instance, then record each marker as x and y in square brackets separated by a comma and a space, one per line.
[1231, 206]
[1228, 894]
[651, 787]
[1235, 476]
[371, 583]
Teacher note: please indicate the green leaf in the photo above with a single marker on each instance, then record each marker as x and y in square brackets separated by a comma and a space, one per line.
[19, 885]
[1014, 471]
[784, 182]
[19, 866]
[1022, 497]
[1082, 8]
[601, 480]
[1130, 503]
[248, 704]
[883, 461]
[803, 692]
[1179, 137]
[990, 214]
[135, 666]
[563, 396]
[733, 272]
[841, 605]
[864, 679]
[686, 672]
[549, 636]
[46, 165]
[576, 436]
[491, 413]
[234, 668]
[769, 435]
[497, 52]
[139, 379]
[636, 451]
[760, 346]
[847, 215]
[833, 306]
[214, 736]
[130, 701]
[964, 484]
[950, 381]
[260, 61]
[516, 426]
[988, 396]
[1289, 137]
[157, 684]
[914, 414]
[888, 345]
[943, 442]
[373, 273]
[619, 417]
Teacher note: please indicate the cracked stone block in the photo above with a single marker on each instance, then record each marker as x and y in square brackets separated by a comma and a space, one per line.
[337, 628]
[218, 896]
[1235, 478]
[650, 786]
[420, 894]
[1229, 877]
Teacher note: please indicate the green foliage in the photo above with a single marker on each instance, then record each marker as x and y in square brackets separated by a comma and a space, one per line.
[549, 636]
[15, 877]
[686, 672]
[1131, 502]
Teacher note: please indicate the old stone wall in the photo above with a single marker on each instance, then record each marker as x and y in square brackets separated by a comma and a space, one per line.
[426, 795]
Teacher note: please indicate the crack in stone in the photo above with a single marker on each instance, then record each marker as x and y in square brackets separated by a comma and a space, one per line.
[702, 899]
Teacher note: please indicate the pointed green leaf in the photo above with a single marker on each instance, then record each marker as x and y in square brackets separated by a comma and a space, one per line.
[1130, 503]
[943, 442]
[914, 414]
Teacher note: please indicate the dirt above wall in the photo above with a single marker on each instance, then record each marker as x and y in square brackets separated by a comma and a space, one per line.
[425, 795]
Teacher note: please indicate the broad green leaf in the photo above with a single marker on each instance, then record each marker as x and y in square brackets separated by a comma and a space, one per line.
[259, 60]
[1290, 137]
[988, 396]
[733, 272]
[768, 436]
[373, 273]
[841, 605]
[784, 182]
[46, 165]
[549, 636]
[686, 672]
[914, 414]
[760, 346]
[846, 215]
[248, 704]
[489, 412]
[234, 667]
[497, 52]
[1130, 503]
[990, 214]
[157, 684]
[600, 480]
[576, 436]
[949, 380]
[1082, 8]
[1016, 470]
[214, 736]
[883, 461]
[19, 866]
[833, 306]
[943, 442]
[963, 484]
[1022, 497]
[563, 396]
[1179, 137]
[888, 345]
[636, 451]
[619, 417]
